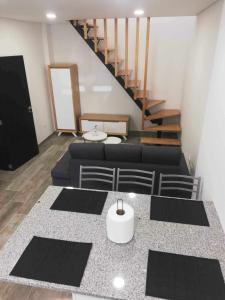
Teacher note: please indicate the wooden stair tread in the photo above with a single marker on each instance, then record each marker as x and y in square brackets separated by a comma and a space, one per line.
[89, 25]
[160, 141]
[141, 94]
[100, 38]
[82, 23]
[138, 93]
[108, 50]
[112, 61]
[123, 72]
[132, 83]
[166, 113]
[166, 128]
[153, 103]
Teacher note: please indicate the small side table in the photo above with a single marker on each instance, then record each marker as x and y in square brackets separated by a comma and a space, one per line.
[95, 136]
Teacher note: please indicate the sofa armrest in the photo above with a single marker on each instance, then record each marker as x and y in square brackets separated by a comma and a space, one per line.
[62, 167]
[183, 166]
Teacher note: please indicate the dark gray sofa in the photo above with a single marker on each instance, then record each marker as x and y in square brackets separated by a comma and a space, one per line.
[164, 159]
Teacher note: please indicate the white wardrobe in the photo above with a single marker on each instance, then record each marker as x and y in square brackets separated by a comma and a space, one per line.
[65, 97]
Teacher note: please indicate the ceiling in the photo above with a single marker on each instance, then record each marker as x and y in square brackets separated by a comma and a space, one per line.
[35, 10]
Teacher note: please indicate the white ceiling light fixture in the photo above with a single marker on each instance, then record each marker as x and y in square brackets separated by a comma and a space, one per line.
[138, 12]
[51, 16]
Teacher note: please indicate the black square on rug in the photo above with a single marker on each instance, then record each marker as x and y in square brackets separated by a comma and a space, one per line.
[81, 201]
[178, 211]
[55, 261]
[180, 277]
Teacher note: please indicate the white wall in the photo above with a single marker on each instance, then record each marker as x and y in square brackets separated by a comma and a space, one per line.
[211, 158]
[24, 38]
[99, 91]
[197, 80]
[170, 44]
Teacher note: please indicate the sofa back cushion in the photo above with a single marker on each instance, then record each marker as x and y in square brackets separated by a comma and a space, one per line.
[161, 155]
[87, 151]
[123, 152]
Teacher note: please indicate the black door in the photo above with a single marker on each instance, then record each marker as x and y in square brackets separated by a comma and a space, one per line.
[18, 142]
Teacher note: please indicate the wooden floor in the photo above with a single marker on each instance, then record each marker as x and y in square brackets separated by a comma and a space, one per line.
[19, 190]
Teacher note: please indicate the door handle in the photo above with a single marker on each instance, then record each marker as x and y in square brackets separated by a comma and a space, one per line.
[29, 109]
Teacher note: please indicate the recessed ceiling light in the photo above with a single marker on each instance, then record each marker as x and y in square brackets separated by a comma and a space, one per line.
[51, 16]
[138, 12]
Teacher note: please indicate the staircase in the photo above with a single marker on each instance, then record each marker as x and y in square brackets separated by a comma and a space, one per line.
[155, 120]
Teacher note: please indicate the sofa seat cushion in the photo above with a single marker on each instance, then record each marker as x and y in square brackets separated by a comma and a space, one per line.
[164, 155]
[123, 153]
[87, 151]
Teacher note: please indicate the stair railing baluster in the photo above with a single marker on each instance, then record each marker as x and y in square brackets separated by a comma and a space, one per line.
[126, 53]
[136, 55]
[146, 69]
[116, 45]
[95, 36]
[105, 41]
[85, 30]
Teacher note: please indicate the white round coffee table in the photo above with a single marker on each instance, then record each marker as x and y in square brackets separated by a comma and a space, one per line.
[112, 140]
[95, 136]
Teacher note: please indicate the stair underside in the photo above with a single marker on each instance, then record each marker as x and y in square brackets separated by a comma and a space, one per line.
[160, 141]
[153, 103]
[165, 128]
[166, 113]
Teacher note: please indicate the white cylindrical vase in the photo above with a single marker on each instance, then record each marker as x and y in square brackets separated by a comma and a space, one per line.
[120, 223]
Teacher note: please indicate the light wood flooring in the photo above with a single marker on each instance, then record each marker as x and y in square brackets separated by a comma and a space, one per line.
[19, 190]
